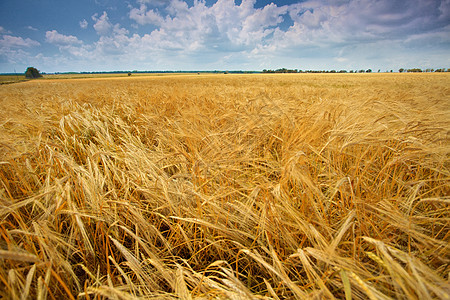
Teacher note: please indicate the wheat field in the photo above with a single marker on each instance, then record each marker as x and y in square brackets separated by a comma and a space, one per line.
[303, 186]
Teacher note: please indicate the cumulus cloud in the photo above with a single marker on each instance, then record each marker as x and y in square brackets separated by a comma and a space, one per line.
[4, 31]
[32, 28]
[224, 26]
[12, 48]
[83, 24]
[367, 19]
[142, 16]
[54, 37]
[223, 32]
[199, 34]
[102, 25]
[322, 29]
[154, 2]
[9, 41]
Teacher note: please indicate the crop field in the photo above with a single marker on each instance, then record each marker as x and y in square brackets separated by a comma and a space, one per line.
[7, 79]
[300, 186]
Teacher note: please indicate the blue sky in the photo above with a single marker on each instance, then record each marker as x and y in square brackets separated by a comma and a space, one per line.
[106, 35]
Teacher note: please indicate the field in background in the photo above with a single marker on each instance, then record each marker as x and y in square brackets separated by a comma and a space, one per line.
[108, 75]
[7, 79]
[226, 186]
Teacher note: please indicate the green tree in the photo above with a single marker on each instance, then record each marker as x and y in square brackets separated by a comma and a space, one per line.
[32, 72]
[415, 70]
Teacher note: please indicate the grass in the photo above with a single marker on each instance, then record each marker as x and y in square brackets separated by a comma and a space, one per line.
[226, 186]
[7, 79]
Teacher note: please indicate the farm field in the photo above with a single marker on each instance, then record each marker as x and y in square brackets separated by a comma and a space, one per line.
[8, 79]
[268, 186]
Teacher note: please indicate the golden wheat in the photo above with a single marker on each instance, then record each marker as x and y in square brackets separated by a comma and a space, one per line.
[226, 186]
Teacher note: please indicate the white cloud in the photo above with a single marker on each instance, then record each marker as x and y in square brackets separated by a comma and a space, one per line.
[101, 2]
[367, 20]
[32, 28]
[338, 34]
[429, 38]
[178, 7]
[154, 2]
[102, 25]
[12, 49]
[4, 31]
[15, 57]
[222, 27]
[54, 37]
[9, 41]
[226, 34]
[83, 24]
[70, 46]
[322, 29]
[142, 16]
[444, 10]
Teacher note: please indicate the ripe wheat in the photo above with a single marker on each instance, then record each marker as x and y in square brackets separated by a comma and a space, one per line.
[239, 187]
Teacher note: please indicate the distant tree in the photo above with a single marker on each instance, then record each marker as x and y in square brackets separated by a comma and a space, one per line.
[129, 73]
[369, 71]
[32, 72]
[401, 70]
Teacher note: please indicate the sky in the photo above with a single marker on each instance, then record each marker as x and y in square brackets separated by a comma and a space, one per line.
[108, 35]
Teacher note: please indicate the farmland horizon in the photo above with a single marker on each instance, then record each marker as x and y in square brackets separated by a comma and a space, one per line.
[242, 71]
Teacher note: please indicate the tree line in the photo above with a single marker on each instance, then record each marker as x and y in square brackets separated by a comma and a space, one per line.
[32, 72]
[284, 70]
[417, 70]
[401, 70]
